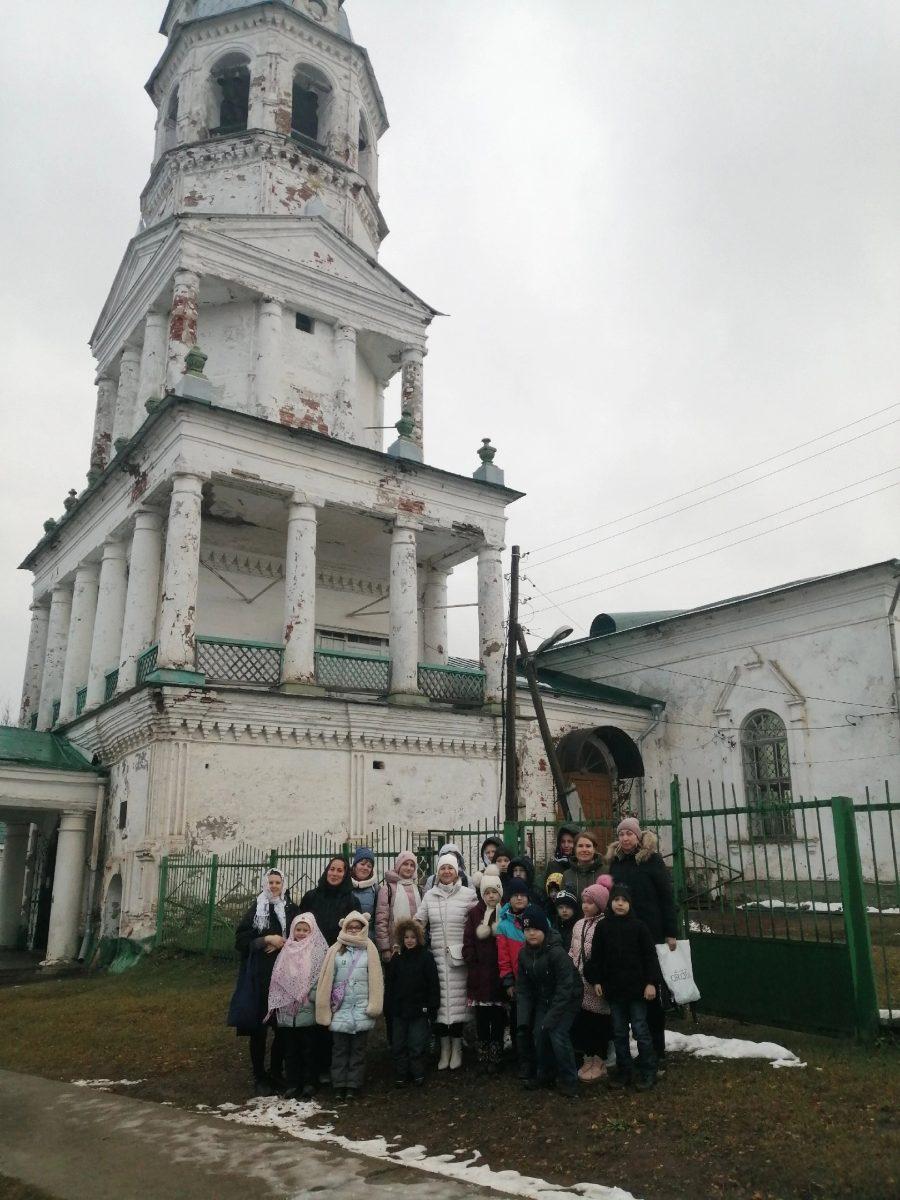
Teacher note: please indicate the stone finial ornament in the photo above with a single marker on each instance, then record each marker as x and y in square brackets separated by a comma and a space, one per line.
[71, 500]
[487, 472]
[195, 361]
[50, 524]
[405, 447]
[119, 444]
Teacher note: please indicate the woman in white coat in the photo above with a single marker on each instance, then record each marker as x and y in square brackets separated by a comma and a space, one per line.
[443, 911]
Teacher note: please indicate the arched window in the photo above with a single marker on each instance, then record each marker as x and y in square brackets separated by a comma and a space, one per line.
[767, 775]
[309, 104]
[231, 95]
[170, 123]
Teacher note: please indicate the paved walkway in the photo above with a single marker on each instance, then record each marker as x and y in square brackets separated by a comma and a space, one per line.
[78, 1144]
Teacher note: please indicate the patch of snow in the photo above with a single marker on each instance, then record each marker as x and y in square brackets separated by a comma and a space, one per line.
[290, 1117]
[889, 1014]
[834, 906]
[228, 1107]
[704, 1045]
[699, 927]
[103, 1085]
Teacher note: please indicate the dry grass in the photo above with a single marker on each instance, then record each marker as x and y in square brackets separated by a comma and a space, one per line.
[737, 1130]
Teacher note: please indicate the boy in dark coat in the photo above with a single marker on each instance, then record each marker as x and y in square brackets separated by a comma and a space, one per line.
[548, 998]
[565, 912]
[565, 848]
[415, 999]
[523, 868]
[625, 972]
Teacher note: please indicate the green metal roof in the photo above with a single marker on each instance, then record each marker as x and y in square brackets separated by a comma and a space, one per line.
[588, 689]
[29, 748]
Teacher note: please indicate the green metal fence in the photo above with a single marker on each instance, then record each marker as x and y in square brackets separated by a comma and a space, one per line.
[796, 928]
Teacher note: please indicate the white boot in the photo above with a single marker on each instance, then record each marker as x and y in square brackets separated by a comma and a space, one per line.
[444, 1060]
[456, 1055]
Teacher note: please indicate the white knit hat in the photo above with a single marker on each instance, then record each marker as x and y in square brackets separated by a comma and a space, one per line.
[448, 860]
[490, 880]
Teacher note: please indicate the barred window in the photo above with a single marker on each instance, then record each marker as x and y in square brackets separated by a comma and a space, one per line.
[767, 775]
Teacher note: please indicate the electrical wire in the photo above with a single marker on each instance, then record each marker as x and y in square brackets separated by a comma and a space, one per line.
[712, 482]
[712, 536]
[728, 546]
[697, 503]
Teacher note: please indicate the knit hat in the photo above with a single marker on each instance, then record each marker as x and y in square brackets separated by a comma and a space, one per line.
[597, 893]
[631, 823]
[569, 898]
[490, 880]
[619, 889]
[555, 877]
[362, 854]
[517, 887]
[354, 939]
[405, 856]
[535, 918]
[448, 860]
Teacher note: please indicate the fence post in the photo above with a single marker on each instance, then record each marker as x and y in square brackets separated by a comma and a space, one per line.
[161, 898]
[856, 921]
[211, 909]
[273, 859]
[678, 873]
[512, 836]
[347, 851]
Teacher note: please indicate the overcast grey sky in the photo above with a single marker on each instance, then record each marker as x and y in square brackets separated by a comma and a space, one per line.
[666, 235]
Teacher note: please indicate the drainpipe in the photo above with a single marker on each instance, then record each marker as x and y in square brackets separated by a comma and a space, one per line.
[657, 711]
[93, 897]
[895, 658]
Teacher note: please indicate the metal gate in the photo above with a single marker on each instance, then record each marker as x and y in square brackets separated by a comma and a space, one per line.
[792, 914]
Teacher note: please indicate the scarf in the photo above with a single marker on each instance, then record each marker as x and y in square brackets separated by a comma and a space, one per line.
[297, 967]
[488, 923]
[329, 995]
[403, 909]
[265, 898]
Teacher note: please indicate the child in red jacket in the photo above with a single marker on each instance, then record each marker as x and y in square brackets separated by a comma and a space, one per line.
[510, 940]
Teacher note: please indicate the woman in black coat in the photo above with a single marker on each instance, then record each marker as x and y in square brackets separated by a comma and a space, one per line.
[259, 936]
[633, 860]
[329, 901]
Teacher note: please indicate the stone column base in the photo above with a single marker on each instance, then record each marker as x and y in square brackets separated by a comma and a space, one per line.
[408, 699]
[302, 689]
[493, 708]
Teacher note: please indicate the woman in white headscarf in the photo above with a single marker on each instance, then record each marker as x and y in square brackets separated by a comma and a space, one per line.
[260, 935]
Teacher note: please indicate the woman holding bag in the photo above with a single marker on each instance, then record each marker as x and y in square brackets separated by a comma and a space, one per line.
[633, 860]
[443, 911]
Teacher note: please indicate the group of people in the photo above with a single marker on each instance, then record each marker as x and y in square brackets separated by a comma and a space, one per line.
[565, 968]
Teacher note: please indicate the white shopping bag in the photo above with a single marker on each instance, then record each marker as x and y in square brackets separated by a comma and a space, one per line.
[678, 973]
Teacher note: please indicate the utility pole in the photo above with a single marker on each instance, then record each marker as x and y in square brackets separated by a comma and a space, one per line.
[511, 806]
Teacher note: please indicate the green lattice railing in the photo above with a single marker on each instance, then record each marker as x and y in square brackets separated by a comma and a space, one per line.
[111, 682]
[146, 663]
[80, 700]
[239, 661]
[452, 685]
[348, 672]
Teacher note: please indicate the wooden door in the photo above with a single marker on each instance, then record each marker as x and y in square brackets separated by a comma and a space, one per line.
[596, 796]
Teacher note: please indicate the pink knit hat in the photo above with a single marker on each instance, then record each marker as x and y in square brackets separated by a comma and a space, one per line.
[405, 856]
[598, 893]
[631, 823]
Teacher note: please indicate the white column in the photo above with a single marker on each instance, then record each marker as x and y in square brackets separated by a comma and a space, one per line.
[142, 597]
[107, 642]
[436, 616]
[345, 353]
[68, 886]
[298, 671]
[491, 617]
[104, 416]
[12, 882]
[152, 377]
[269, 357]
[55, 658]
[81, 634]
[404, 616]
[182, 334]
[126, 394]
[181, 577]
[34, 664]
[412, 389]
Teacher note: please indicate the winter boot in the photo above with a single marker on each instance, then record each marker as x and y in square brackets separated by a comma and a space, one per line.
[645, 1081]
[585, 1071]
[444, 1060]
[456, 1060]
[481, 1051]
[494, 1057]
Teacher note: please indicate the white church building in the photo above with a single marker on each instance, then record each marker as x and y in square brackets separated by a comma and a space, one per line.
[240, 624]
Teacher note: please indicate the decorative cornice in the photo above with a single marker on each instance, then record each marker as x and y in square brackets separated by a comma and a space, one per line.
[246, 562]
